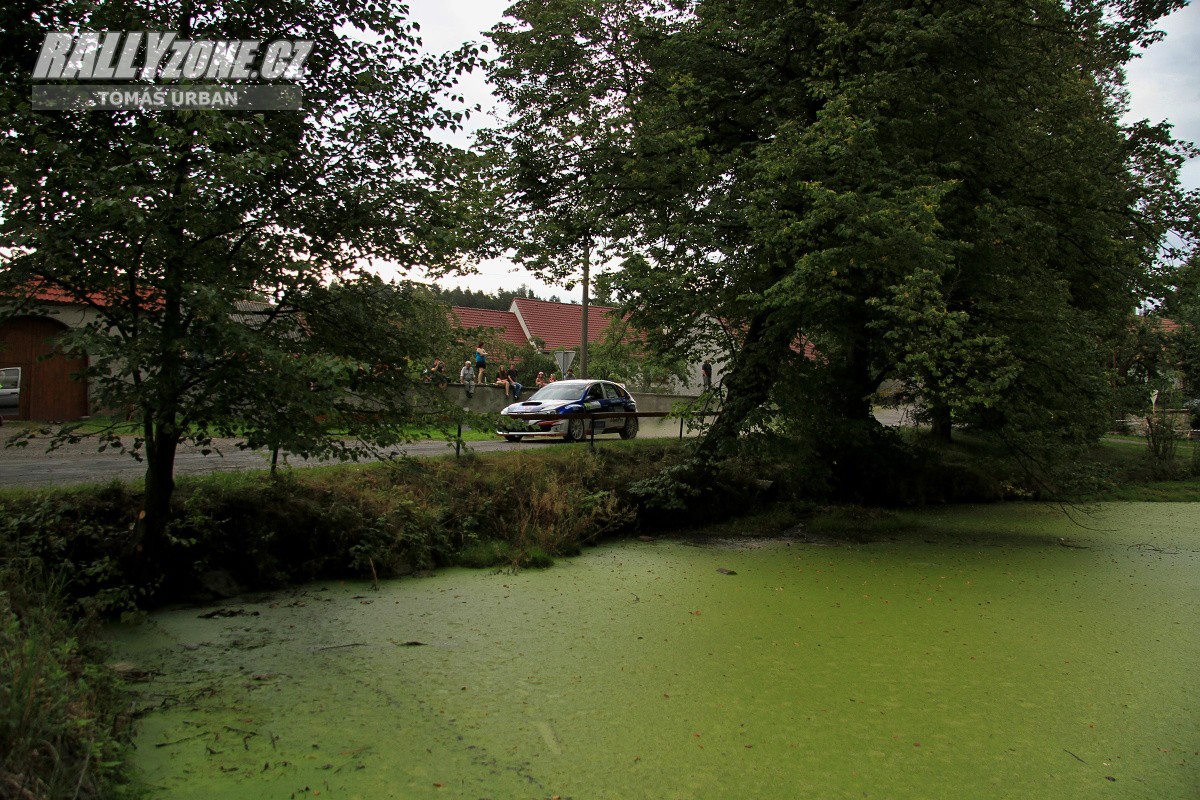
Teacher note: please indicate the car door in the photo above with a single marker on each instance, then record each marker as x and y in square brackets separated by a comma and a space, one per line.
[593, 402]
[615, 400]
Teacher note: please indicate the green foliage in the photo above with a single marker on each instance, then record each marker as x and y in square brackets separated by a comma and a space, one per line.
[622, 357]
[1143, 362]
[83, 537]
[940, 195]
[62, 733]
[489, 553]
[1183, 308]
[376, 522]
[355, 370]
[1162, 440]
[202, 242]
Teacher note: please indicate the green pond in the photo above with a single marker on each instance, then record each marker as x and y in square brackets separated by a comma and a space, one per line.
[1010, 651]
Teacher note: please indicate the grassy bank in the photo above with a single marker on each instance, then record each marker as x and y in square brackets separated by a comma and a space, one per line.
[68, 557]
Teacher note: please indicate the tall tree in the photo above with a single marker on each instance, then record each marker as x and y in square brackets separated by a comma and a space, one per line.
[941, 194]
[166, 222]
[567, 68]
[1183, 309]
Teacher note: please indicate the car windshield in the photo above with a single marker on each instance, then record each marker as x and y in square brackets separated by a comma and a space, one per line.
[563, 390]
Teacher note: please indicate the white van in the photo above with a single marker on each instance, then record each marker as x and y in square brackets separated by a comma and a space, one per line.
[10, 387]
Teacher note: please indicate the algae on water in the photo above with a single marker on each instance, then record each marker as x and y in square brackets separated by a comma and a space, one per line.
[998, 652]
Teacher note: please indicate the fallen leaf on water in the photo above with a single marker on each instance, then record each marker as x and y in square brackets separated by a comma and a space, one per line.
[696, 613]
[724, 571]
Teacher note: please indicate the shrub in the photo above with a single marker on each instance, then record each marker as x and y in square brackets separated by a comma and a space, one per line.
[1161, 440]
[60, 732]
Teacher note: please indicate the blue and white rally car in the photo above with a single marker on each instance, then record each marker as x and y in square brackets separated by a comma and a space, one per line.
[572, 397]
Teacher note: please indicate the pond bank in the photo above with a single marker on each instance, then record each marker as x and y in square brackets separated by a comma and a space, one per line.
[998, 651]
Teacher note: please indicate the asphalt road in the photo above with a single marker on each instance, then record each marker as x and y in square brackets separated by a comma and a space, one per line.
[32, 465]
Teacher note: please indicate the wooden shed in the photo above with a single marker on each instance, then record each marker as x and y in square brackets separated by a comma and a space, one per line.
[48, 384]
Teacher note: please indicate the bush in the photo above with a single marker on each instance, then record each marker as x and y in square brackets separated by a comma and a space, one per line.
[1161, 440]
[60, 732]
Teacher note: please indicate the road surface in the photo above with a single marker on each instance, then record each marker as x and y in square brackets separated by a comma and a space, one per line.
[32, 465]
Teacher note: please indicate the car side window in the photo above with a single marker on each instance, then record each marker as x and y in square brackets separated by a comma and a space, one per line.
[594, 392]
[612, 391]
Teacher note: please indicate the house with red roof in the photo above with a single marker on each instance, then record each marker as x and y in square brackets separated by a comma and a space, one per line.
[553, 326]
[504, 324]
[38, 380]
[559, 325]
[548, 325]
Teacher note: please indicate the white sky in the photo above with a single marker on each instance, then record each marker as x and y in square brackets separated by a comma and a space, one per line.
[1164, 85]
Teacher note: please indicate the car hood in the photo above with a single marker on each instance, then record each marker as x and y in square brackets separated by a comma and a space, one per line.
[537, 407]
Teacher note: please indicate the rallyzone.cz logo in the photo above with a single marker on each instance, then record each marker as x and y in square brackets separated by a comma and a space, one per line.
[163, 57]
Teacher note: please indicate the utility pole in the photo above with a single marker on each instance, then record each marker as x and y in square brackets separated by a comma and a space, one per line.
[583, 325]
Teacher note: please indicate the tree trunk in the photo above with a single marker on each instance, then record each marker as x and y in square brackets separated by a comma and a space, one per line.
[162, 441]
[748, 383]
[940, 414]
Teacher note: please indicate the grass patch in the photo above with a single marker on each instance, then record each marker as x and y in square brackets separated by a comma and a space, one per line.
[62, 728]
[1178, 491]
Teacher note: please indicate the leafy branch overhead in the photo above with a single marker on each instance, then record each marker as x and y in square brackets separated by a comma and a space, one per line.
[939, 196]
[203, 244]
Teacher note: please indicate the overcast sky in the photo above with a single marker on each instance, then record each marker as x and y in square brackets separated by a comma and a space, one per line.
[1164, 85]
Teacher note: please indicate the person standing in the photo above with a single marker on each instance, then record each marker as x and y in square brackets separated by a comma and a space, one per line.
[467, 376]
[706, 374]
[480, 362]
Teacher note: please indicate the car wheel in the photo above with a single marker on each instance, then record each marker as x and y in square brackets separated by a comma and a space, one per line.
[631, 428]
[513, 438]
[576, 431]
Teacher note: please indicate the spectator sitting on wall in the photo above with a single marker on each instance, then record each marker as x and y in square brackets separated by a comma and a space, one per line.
[502, 380]
[467, 376]
[512, 380]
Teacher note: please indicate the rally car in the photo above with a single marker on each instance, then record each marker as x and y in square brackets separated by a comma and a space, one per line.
[572, 397]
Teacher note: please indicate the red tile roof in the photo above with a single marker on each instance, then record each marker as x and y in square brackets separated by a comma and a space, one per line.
[1165, 325]
[45, 292]
[558, 324]
[504, 321]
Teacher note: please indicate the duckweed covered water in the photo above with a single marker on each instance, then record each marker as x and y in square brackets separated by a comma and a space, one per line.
[987, 652]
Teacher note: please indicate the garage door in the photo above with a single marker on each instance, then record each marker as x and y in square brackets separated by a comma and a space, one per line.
[45, 388]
